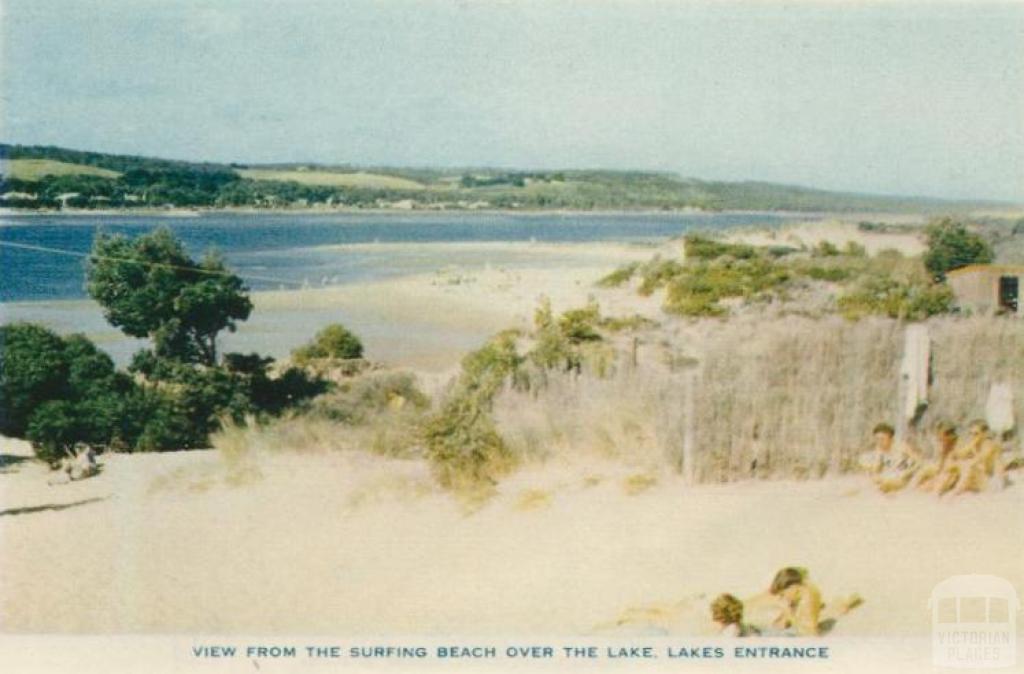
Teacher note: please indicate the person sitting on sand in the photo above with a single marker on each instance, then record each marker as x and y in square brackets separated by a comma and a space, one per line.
[890, 468]
[79, 465]
[727, 612]
[800, 602]
[980, 461]
[943, 474]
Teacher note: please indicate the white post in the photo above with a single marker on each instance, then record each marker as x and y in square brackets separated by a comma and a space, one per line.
[915, 372]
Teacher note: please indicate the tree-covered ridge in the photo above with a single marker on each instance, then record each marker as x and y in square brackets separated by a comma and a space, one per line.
[123, 181]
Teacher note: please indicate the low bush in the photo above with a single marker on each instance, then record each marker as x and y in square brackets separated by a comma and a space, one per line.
[697, 290]
[188, 402]
[462, 443]
[358, 401]
[704, 248]
[620, 276]
[627, 323]
[825, 249]
[887, 296]
[830, 274]
[656, 273]
[334, 341]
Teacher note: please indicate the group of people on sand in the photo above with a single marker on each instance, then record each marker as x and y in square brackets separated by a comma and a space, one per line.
[974, 465]
[792, 606]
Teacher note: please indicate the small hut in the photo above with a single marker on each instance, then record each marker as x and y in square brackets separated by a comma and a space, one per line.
[988, 288]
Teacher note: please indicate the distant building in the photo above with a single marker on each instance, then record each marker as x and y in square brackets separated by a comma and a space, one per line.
[988, 288]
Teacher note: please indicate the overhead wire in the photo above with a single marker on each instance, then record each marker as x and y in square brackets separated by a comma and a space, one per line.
[165, 265]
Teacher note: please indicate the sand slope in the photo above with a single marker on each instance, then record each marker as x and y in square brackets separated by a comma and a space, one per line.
[355, 544]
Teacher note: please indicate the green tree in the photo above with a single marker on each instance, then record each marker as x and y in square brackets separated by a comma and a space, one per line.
[150, 287]
[951, 246]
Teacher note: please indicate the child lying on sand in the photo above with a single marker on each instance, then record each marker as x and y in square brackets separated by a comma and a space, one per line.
[791, 607]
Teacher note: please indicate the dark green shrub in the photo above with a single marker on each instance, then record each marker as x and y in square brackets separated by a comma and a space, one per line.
[168, 426]
[54, 428]
[33, 370]
[60, 390]
[951, 246]
[334, 341]
[271, 395]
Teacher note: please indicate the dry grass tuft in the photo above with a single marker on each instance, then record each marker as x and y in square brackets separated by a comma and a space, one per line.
[533, 499]
[636, 484]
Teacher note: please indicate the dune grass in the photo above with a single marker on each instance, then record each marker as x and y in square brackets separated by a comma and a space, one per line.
[786, 398]
[35, 169]
[358, 179]
[753, 397]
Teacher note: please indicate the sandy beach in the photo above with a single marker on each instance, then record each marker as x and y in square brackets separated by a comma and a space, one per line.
[355, 544]
[345, 542]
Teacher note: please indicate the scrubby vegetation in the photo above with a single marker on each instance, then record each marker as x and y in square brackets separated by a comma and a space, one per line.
[887, 284]
[770, 395]
[461, 441]
[894, 298]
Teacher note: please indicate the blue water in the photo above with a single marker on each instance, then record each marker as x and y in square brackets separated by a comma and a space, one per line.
[286, 250]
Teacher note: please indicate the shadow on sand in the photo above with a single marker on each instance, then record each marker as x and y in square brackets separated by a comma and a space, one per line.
[51, 506]
[9, 462]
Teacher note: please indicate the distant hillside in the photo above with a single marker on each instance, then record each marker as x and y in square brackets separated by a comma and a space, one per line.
[45, 177]
[37, 169]
[359, 179]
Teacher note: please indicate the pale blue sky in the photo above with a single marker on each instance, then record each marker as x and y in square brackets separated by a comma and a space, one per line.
[880, 97]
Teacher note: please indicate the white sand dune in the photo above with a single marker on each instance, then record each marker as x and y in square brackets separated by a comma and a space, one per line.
[354, 544]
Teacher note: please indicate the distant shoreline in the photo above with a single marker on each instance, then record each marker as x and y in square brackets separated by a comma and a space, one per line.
[1008, 212]
[198, 212]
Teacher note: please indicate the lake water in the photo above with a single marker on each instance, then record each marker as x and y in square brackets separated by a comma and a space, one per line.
[290, 251]
[273, 251]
